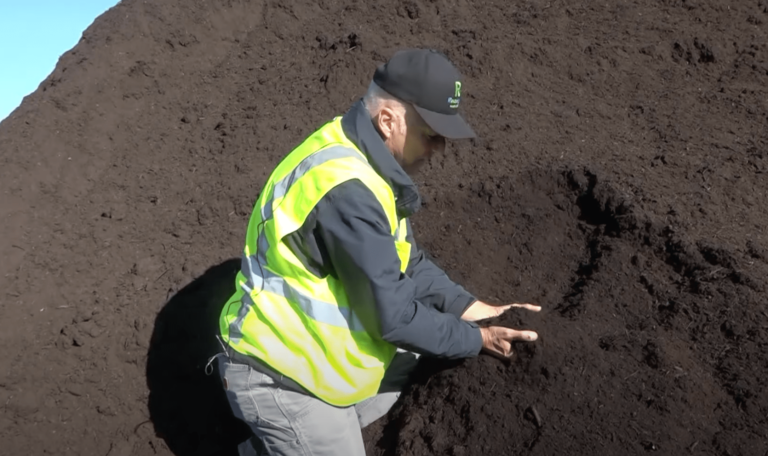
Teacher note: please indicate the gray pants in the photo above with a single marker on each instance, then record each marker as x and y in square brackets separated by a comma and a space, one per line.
[285, 422]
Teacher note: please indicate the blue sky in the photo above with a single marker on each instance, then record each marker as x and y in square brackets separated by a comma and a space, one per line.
[33, 35]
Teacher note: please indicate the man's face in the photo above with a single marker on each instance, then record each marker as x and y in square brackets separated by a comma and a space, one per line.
[419, 142]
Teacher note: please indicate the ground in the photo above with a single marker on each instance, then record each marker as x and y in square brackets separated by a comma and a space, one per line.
[617, 181]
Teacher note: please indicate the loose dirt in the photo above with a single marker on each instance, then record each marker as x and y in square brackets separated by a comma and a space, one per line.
[617, 182]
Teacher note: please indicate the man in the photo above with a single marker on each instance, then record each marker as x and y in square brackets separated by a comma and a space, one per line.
[335, 301]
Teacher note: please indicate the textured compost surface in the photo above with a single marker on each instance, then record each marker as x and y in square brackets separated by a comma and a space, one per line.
[618, 182]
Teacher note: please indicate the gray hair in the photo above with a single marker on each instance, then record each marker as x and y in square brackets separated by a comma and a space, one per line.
[376, 98]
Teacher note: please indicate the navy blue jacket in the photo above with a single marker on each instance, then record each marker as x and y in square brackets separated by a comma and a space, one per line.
[347, 236]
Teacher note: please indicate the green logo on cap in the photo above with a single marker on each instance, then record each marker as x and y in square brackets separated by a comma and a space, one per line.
[453, 101]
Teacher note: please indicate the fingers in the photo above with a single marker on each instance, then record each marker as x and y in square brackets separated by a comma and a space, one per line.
[498, 347]
[531, 307]
[510, 356]
[524, 335]
[505, 350]
[497, 340]
[509, 334]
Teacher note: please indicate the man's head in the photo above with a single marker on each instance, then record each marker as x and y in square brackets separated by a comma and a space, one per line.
[413, 101]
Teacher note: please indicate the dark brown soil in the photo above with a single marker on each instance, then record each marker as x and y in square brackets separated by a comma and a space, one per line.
[618, 182]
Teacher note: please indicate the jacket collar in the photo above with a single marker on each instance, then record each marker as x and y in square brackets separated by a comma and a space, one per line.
[359, 128]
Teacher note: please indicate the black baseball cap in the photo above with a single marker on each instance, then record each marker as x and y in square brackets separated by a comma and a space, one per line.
[426, 79]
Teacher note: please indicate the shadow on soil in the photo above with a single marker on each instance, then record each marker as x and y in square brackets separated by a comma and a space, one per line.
[188, 408]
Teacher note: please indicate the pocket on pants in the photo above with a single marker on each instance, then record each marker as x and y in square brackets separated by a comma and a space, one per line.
[252, 401]
[292, 448]
[296, 405]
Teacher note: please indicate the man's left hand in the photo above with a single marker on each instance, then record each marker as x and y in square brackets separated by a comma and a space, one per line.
[480, 310]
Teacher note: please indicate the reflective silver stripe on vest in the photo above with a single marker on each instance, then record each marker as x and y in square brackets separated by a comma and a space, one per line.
[259, 277]
[309, 162]
[236, 327]
[316, 309]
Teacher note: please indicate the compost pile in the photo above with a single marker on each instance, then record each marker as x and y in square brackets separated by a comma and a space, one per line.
[618, 181]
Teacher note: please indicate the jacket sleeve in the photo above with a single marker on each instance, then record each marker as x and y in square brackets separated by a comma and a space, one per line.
[355, 233]
[433, 286]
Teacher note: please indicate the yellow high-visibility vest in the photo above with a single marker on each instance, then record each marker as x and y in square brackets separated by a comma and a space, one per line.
[302, 326]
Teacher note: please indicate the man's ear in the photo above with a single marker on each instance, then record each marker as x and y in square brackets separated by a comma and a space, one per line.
[385, 122]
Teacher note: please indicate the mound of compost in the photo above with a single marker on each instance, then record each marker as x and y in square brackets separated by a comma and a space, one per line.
[617, 181]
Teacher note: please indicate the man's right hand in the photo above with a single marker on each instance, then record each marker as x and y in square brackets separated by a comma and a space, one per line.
[497, 340]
